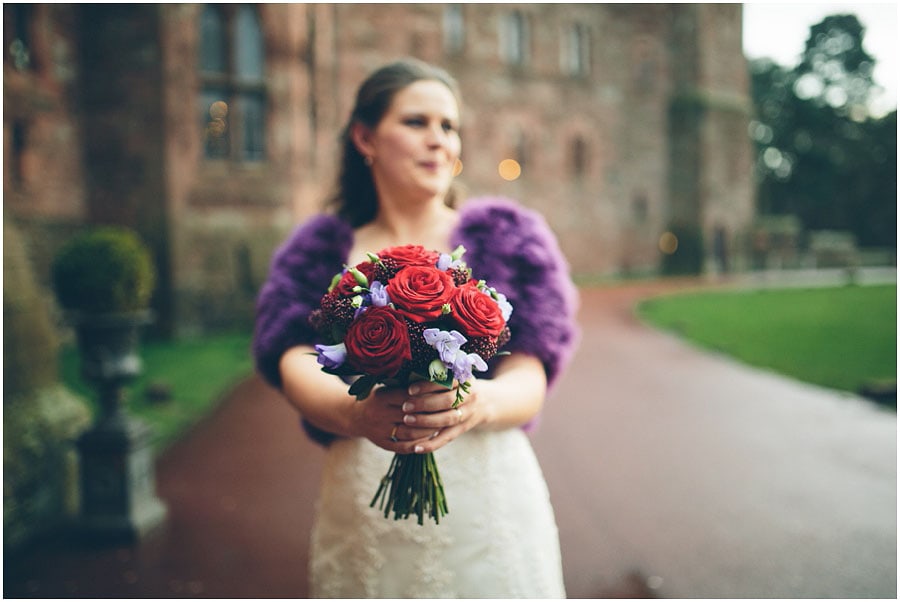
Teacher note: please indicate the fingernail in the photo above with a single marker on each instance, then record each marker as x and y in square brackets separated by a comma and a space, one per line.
[413, 389]
[419, 449]
[408, 407]
[409, 419]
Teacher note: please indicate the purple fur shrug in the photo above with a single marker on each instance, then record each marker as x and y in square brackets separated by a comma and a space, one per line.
[509, 246]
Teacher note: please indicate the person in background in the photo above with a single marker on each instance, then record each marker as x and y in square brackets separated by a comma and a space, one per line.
[395, 187]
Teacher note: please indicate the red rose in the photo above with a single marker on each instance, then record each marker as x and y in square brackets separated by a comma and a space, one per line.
[419, 293]
[407, 255]
[378, 342]
[347, 282]
[477, 314]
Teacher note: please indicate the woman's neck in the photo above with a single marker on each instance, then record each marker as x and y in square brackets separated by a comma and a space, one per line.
[407, 224]
[429, 225]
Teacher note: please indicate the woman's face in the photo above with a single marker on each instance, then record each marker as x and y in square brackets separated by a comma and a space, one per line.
[415, 146]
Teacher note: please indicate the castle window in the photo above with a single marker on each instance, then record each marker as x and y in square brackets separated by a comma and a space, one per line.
[232, 73]
[640, 208]
[19, 148]
[575, 51]
[521, 148]
[454, 29]
[514, 39]
[579, 157]
[17, 35]
[645, 64]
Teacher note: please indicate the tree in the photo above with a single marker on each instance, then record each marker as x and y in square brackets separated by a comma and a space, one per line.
[835, 69]
[820, 154]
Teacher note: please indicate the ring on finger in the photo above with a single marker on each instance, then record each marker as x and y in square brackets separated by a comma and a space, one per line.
[394, 434]
[459, 415]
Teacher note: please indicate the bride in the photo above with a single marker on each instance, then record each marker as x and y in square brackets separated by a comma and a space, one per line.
[395, 187]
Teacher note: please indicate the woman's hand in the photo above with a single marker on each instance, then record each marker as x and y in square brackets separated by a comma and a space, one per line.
[416, 420]
[419, 419]
[430, 409]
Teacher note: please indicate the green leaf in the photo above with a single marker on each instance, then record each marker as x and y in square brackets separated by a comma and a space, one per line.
[362, 387]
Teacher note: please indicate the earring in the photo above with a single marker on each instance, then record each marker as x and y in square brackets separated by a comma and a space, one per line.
[368, 161]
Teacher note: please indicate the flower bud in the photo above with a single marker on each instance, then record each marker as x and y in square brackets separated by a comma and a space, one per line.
[334, 281]
[437, 371]
[359, 277]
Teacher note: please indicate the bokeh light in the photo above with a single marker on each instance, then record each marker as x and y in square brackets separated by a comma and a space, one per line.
[218, 109]
[509, 169]
[216, 128]
[668, 243]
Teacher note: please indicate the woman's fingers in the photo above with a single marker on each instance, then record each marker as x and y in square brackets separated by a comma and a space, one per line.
[433, 420]
[426, 420]
[407, 434]
[438, 440]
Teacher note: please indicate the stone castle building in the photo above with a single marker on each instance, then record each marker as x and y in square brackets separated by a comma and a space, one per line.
[212, 129]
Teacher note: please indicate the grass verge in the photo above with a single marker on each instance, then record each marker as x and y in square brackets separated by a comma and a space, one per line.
[841, 338]
[196, 373]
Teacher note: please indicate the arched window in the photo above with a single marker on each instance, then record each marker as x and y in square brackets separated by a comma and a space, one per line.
[575, 50]
[579, 158]
[232, 74]
[454, 29]
[522, 148]
[514, 39]
[645, 65]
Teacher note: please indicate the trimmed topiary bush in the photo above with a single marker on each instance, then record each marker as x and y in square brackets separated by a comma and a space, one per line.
[105, 270]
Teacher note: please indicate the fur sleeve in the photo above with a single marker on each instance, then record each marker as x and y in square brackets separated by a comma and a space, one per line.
[301, 270]
[515, 251]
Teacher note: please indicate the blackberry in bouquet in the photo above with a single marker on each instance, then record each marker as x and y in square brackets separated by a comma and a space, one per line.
[403, 315]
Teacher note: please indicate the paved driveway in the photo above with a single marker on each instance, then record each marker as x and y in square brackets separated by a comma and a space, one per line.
[674, 473]
[700, 477]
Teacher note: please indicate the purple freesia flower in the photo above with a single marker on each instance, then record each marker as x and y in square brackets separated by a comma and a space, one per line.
[506, 307]
[451, 260]
[378, 295]
[446, 343]
[449, 348]
[331, 356]
[464, 364]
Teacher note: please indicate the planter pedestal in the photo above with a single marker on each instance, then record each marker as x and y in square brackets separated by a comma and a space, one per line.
[118, 498]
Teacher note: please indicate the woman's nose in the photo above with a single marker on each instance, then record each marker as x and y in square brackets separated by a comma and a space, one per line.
[436, 136]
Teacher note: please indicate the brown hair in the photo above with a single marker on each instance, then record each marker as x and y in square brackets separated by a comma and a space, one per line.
[355, 198]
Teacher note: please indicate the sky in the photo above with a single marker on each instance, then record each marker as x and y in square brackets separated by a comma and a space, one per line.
[778, 30]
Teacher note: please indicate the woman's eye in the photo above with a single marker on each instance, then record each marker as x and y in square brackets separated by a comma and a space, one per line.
[415, 122]
[448, 127]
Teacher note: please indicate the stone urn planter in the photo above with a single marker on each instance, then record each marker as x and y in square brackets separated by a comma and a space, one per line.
[108, 351]
[103, 279]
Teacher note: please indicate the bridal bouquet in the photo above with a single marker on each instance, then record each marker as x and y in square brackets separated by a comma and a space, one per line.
[403, 315]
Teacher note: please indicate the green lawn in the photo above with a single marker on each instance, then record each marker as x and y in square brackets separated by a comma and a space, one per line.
[839, 338]
[198, 373]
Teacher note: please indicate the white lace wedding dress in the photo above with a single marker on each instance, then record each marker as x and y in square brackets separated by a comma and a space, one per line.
[498, 540]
